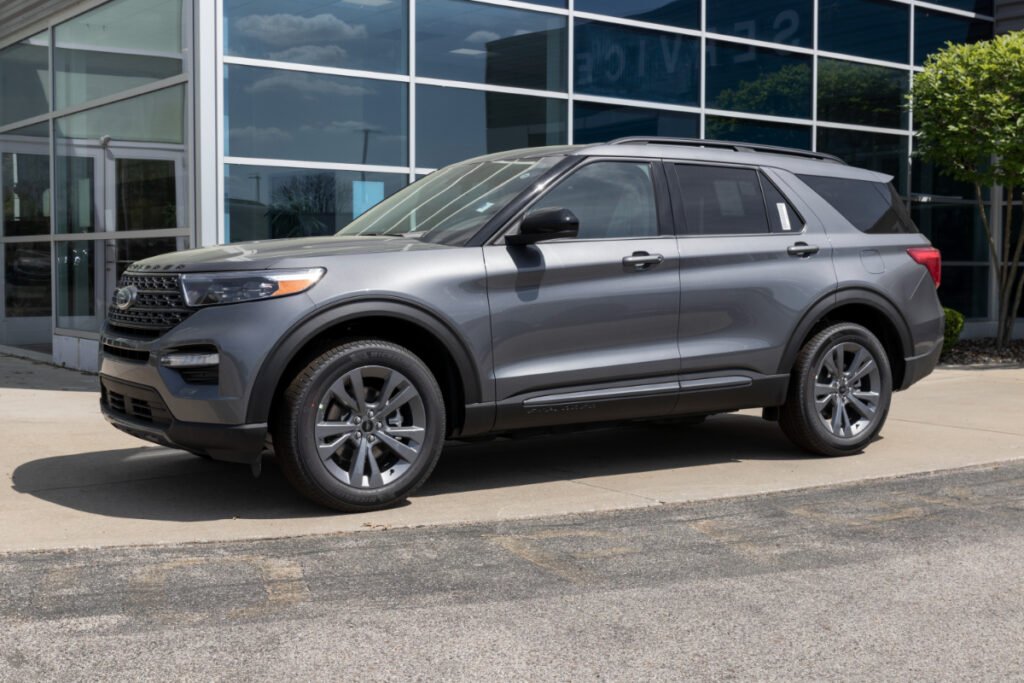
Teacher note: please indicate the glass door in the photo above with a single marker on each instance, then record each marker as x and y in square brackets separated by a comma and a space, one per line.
[144, 198]
[25, 288]
[80, 203]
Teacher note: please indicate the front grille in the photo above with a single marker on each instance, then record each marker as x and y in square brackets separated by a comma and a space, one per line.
[140, 403]
[159, 306]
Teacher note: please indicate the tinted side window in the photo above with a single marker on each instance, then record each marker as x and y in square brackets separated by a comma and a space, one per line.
[871, 207]
[721, 201]
[781, 215]
[611, 199]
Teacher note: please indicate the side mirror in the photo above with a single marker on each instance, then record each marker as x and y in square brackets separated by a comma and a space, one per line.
[545, 224]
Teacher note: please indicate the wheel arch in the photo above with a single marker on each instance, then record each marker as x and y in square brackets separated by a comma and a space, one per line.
[864, 307]
[410, 326]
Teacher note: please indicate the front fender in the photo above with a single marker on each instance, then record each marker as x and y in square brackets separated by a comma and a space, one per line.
[322, 320]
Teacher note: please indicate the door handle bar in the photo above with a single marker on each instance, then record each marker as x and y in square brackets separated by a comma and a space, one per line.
[803, 249]
[641, 260]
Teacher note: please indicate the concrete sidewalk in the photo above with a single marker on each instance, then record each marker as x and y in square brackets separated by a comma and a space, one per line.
[77, 482]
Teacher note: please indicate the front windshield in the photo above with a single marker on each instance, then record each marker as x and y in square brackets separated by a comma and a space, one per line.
[450, 205]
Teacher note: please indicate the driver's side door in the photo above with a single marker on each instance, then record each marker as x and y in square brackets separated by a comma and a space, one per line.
[585, 328]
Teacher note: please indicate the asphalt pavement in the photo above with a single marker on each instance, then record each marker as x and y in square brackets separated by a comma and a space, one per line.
[916, 578]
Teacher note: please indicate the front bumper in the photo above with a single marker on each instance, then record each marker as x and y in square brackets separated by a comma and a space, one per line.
[139, 411]
[206, 415]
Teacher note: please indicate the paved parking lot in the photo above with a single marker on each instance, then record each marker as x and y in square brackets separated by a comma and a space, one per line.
[916, 578]
[74, 481]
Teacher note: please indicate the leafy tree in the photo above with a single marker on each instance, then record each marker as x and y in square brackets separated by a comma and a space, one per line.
[968, 107]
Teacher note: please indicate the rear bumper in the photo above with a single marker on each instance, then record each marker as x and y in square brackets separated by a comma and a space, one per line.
[917, 368]
[139, 411]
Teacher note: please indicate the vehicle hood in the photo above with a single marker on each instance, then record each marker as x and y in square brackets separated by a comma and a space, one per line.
[304, 252]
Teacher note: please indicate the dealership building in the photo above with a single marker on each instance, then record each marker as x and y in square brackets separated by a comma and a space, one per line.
[130, 128]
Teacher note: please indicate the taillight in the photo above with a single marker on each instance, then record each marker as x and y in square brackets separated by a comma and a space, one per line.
[930, 258]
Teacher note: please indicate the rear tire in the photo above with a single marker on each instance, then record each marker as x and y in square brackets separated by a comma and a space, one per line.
[361, 427]
[839, 393]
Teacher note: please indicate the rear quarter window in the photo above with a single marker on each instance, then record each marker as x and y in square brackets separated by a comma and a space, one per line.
[871, 207]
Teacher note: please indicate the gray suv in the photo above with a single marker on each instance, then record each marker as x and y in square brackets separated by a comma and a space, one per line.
[645, 278]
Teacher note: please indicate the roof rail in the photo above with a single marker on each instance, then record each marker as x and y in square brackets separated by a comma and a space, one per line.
[725, 144]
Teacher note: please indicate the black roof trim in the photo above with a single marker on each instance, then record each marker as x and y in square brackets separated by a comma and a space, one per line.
[725, 144]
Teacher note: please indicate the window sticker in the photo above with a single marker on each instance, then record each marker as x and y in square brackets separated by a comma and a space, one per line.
[784, 216]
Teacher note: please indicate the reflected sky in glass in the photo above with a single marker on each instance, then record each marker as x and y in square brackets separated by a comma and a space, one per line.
[313, 117]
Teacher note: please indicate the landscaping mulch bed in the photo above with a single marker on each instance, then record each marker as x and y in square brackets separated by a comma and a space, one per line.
[984, 352]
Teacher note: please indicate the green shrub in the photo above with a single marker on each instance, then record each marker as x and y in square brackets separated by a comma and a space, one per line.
[954, 326]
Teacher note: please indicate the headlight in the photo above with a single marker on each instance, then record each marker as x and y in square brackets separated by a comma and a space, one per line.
[209, 289]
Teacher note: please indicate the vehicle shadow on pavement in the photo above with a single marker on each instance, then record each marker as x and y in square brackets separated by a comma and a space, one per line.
[162, 484]
[620, 450]
[167, 485]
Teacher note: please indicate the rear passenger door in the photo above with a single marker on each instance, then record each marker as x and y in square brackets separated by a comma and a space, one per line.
[752, 262]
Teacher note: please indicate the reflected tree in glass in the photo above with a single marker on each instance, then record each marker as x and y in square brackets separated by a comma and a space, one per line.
[861, 93]
[303, 207]
[757, 132]
[776, 92]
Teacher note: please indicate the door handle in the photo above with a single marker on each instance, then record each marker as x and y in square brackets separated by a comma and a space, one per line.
[641, 260]
[803, 249]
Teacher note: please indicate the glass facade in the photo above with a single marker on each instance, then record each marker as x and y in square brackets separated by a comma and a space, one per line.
[355, 35]
[933, 29]
[680, 13]
[467, 41]
[321, 108]
[757, 80]
[862, 94]
[277, 114]
[787, 22]
[594, 122]
[879, 29]
[758, 132]
[638, 64]
[271, 202]
[444, 80]
[116, 47]
[454, 124]
[25, 79]
[94, 176]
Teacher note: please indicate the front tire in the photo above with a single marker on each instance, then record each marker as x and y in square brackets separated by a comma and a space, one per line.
[361, 427]
[840, 391]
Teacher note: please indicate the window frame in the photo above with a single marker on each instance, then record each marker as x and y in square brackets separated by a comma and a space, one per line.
[679, 213]
[659, 184]
[789, 202]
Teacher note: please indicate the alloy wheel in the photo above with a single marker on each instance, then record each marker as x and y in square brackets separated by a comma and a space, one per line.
[370, 426]
[847, 389]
